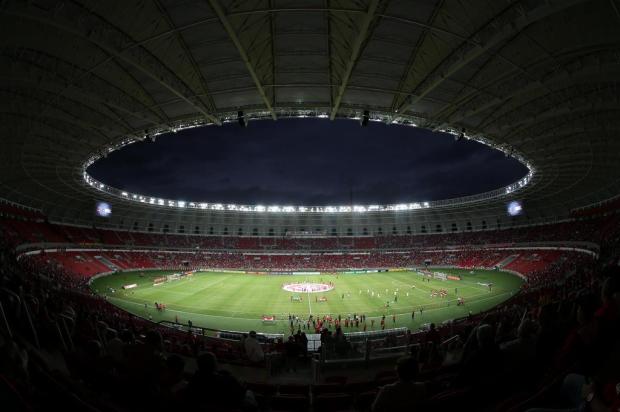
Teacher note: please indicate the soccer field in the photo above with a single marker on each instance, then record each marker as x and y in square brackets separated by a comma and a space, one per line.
[237, 302]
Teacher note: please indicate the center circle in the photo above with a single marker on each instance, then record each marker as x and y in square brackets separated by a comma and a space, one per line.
[306, 287]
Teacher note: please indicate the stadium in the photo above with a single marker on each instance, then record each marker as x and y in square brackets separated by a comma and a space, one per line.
[116, 298]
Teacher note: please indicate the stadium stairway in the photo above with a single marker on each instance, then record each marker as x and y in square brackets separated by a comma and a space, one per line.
[507, 261]
[107, 263]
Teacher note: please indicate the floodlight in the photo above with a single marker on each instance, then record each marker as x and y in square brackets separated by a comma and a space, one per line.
[365, 118]
[515, 208]
[241, 119]
[103, 209]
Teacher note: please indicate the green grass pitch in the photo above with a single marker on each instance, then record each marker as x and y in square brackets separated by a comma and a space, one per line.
[237, 302]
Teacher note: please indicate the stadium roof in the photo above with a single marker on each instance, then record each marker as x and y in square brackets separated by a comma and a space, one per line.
[536, 79]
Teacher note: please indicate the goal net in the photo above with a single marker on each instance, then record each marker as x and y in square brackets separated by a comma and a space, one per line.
[174, 276]
[440, 276]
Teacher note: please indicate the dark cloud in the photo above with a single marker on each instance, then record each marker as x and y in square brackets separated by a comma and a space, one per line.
[303, 161]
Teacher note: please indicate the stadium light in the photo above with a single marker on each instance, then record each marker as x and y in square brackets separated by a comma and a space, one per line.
[402, 120]
[241, 119]
[365, 118]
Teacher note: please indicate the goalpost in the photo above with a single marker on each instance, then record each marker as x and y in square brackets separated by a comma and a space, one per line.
[440, 275]
[174, 276]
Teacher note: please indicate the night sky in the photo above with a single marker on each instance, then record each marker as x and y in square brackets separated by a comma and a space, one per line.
[307, 162]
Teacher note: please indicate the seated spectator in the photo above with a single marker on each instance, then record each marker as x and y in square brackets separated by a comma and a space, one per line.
[292, 353]
[521, 351]
[253, 349]
[173, 382]
[114, 346]
[608, 315]
[578, 348]
[433, 335]
[579, 394]
[483, 363]
[404, 394]
[213, 389]
[146, 361]
[341, 344]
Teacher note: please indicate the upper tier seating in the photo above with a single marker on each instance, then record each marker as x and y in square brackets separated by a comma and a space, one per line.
[21, 231]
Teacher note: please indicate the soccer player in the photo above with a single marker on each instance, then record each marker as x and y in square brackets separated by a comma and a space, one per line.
[413, 314]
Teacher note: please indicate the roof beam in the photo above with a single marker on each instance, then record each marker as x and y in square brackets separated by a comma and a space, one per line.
[466, 52]
[108, 39]
[477, 100]
[188, 55]
[355, 54]
[215, 5]
[413, 57]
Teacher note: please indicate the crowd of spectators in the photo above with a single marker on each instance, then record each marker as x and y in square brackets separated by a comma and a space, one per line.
[554, 345]
[521, 351]
[533, 264]
[28, 229]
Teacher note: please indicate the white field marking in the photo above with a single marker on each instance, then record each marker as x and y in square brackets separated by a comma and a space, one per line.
[454, 300]
[318, 314]
[167, 286]
[309, 305]
[427, 302]
[471, 285]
